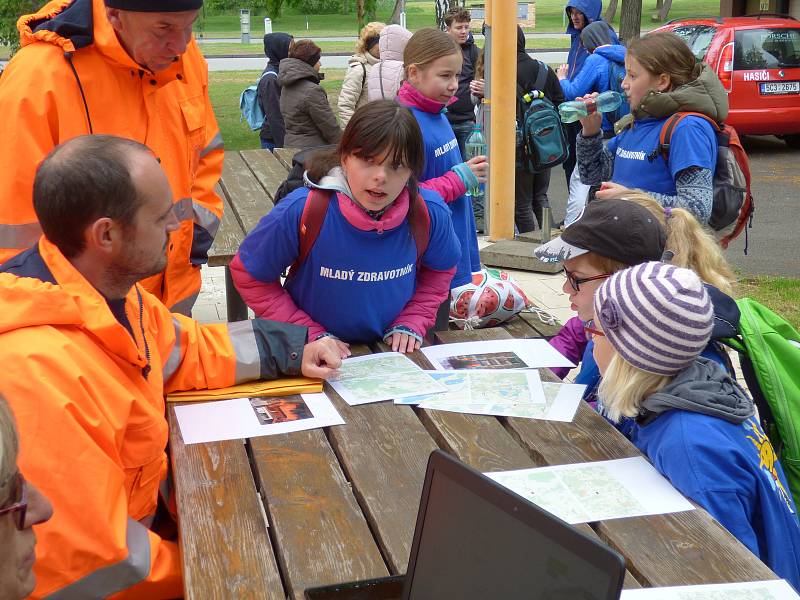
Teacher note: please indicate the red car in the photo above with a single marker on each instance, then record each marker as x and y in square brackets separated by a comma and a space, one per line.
[757, 58]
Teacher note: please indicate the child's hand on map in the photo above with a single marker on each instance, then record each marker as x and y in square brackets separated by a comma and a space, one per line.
[403, 342]
[322, 357]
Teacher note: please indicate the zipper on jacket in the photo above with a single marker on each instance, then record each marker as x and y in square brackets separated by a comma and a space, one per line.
[147, 368]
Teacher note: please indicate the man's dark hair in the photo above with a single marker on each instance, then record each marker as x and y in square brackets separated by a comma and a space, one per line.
[458, 14]
[82, 180]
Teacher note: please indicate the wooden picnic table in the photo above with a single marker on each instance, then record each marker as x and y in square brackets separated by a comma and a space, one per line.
[271, 516]
[249, 181]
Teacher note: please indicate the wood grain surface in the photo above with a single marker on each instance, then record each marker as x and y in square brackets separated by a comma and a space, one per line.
[224, 543]
[269, 171]
[247, 196]
[229, 236]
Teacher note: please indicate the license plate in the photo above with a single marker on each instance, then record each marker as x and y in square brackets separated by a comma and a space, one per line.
[780, 87]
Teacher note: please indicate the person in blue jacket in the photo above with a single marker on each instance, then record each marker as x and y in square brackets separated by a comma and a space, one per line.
[694, 423]
[579, 14]
[595, 76]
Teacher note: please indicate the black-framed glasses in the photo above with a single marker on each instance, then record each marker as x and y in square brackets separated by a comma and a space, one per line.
[576, 282]
[19, 502]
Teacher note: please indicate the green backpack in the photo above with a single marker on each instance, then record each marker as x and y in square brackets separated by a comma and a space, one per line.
[769, 352]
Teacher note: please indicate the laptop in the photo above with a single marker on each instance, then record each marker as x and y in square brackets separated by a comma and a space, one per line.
[475, 539]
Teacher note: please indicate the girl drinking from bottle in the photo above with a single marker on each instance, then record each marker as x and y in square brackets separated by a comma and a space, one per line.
[384, 251]
[662, 78]
[432, 62]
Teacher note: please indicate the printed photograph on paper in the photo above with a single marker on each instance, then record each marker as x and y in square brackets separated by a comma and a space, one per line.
[490, 360]
[279, 410]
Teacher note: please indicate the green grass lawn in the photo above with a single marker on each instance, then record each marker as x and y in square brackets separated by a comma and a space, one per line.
[781, 294]
[420, 13]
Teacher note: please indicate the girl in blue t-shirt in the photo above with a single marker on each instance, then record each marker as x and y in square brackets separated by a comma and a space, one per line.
[380, 265]
[662, 78]
[432, 62]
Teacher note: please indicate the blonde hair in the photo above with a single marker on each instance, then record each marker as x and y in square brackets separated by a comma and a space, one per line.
[9, 446]
[693, 246]
[665, 53]
[623, 388]
[370, 30]
[426, 46]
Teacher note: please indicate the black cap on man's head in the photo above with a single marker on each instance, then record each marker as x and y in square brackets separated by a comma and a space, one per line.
[155, 5]
[614, 228]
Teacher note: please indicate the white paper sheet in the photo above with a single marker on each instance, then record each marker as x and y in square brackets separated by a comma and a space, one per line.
[241, 418]
[596, 491]
[754, 590]
[382, 376]
[495, 354]
[561, 402]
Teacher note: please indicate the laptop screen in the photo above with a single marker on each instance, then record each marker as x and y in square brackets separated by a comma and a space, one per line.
[481, 541]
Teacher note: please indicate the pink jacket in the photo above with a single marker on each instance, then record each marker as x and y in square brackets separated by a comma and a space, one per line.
[272, 301]
[385, 78]
[571, 342]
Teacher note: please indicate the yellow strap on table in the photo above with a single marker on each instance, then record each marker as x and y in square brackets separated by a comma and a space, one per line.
[276, 387]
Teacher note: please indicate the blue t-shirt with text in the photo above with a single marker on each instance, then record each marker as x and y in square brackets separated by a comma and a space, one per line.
[639, 164]
[353, 282]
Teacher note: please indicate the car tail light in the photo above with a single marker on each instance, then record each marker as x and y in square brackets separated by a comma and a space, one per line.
[725, 67]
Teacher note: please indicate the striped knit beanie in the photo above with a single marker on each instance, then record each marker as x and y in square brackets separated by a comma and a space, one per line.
[656, 316]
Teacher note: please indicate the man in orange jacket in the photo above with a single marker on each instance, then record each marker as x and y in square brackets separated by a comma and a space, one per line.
[88, 356]
[124, 67]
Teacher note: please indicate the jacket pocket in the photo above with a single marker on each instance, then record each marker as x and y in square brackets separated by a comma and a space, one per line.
[194, 117]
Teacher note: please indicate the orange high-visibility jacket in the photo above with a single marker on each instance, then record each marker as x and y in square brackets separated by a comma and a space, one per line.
[88, 395]
[41, 105]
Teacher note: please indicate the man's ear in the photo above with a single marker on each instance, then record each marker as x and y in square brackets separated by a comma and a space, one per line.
[113, 17]
[103, 235]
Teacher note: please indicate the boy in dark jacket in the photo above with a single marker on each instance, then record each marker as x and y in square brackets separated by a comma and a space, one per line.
[276, 48]
[530, 189]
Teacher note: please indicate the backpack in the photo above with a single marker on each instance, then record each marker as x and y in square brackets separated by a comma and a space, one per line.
[250, 106]
[616, 73]
[316, 208]
[769, 353]
[542, 140]
[733, 205]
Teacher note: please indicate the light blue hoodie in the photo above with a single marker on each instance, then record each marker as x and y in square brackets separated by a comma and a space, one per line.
[577, 53]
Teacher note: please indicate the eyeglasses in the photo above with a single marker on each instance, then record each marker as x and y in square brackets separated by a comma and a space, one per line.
[576, 283]
[19, 502]
[593, 331]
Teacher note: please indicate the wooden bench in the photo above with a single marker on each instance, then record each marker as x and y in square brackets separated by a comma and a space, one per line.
[249, 181]
[270, 516]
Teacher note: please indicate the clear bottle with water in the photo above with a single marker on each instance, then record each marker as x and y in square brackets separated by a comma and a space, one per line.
[577, 109]
[475, 146]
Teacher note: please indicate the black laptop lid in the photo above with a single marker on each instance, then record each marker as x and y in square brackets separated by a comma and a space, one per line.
[475, 539]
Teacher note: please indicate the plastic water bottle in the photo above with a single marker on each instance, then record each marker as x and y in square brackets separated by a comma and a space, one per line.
[475, 146]
[577, 109]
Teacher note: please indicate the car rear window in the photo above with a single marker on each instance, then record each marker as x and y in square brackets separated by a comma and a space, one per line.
[768, 48]
[697, 37]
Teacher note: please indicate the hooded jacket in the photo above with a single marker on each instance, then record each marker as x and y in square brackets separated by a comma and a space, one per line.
[44, 102]
[595, 76]
[86, 379]
[354, 87]
[462, 109]
[592, 10]
[309, 119]
[384, 80]
[276, 48]
[360, 281]
[700, 433]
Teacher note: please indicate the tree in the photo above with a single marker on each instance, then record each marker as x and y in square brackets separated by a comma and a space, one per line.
[630, 20]
[10, 11]
[398, 8]
[611, 11]
[442, 6]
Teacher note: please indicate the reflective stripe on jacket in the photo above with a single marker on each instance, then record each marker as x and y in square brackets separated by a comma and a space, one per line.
[88, 394]
[41, 106]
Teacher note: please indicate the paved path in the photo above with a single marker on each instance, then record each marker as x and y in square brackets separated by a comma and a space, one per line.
[256, 63]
